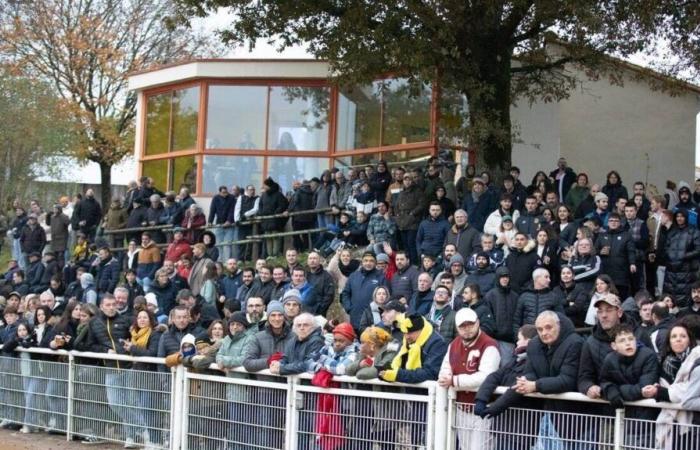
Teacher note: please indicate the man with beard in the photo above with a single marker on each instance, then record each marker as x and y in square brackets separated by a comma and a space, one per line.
[488, 245]
[357, 294]
[456, 269]
[442, 315]
[479, 204]
[255, 313]
[405, 279]
[521, 261]
[694, 307]
[463, 236]
[470, 358]
[618, 254]
[484, 276]
[530, 220]
[263, 285]
[247, 278]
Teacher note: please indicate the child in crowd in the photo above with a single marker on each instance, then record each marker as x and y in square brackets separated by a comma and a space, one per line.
[343, 351]
[626, 370]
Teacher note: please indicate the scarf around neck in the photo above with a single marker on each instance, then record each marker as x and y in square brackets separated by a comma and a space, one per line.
[140, 338]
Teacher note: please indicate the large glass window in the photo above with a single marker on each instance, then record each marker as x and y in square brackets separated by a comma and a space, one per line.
[158, 170]
[158, 124]
[183, 173]
[236, 117]
[298, 118]
[231, 170]
[171, 121]
[285, 170]
[185, 117]
[406, 113]
[359, 114]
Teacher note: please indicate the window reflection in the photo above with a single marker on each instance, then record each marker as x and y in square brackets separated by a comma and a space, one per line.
[298, 118]
[359, 111]
[285, 170]
[231, 170]
[185, 116]
[406, 112]
[158, 170]
[236, 117]
[158, 124]
[183, 173]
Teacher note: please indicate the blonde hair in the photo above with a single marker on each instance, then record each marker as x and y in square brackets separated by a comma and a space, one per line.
[375, 335]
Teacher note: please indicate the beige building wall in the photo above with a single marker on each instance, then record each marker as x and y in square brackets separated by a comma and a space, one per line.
[536, 138]
[644, 134]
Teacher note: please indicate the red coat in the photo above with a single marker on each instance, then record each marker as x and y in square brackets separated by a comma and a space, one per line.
[177, 249]
[188, 223]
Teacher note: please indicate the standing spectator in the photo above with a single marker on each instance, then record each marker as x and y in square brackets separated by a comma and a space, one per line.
[193, 222]
[640, 237]
[324, 196]
[372, 316]
[493, 222]
[530, 220]
[32, 237]
[148, 261]
[137, 218]
[535, 301]
[221, 212]
[408, 212]
[484, 276]
[614, 188]
[396, 185]
[578, 192]
[357, 294]
[471, 298]
[302, 200]
[270, 341]
[618, 254]
[681, 253]
[15, 231]
[442, 314]
[422, 298]
[115, 219]
[59, 223]
[178, 247]
[693, 309]
[521, 261]
[87, 215]
[247, 206]
[479, 204]
[308, 296]
[272, 201]
[107, 271]
[343, 190]
[471, 357]
[655, 231]
[298, 353]
[179, 327]
[405, 280]
[564, 177]
[432, 231]
[200, 262]
[35, 272]
[323, 282]
[576, 296]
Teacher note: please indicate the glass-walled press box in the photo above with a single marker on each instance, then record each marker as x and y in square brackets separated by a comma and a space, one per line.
[211, 130]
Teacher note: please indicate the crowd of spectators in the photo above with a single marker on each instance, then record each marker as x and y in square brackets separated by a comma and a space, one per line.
[558, 286]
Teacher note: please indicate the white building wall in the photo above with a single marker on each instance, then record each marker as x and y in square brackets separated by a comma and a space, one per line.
[536, 138]
[644, 134]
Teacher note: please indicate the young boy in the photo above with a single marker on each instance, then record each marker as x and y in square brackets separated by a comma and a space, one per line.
[627, 369]
[337, 356]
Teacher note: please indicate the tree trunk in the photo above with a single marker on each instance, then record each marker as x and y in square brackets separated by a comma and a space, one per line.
[489, 115]
[105, 185]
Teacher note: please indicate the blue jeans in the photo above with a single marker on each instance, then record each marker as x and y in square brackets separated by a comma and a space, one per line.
[124, 402]
[225, 235]
[34, 397]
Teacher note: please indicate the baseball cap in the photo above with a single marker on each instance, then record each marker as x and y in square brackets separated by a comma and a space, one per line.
[465, 315]
[610, 299]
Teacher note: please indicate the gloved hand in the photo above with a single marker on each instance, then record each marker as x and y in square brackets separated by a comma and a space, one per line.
[480, 408]
[617, 402]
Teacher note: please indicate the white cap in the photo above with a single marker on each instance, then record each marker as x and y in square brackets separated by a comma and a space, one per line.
[465, 315]
[151, 299]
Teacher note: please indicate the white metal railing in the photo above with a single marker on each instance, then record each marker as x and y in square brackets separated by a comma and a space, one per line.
[87, 395]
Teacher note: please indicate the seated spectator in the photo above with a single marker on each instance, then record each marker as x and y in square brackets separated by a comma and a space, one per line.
[340, 354]
[108, 271]
[480, 352]
[420, 355]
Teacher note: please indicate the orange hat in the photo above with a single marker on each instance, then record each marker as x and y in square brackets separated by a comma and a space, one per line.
[345, 330]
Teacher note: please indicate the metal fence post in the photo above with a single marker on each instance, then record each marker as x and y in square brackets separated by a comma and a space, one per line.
[292, 413]
[618, 437]
[69, 397]
[441, 424]
[450, 437]
[177, 401]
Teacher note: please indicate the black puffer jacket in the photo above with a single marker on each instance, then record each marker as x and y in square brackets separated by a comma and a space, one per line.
[531, 303]
[303, 200]
[272, 201]
[623, 378]
[105, 334]
[502, 302]
[681, 252]
[555, 368]
[506, 376]
[622, 253]
[595, 349]
[170, 340]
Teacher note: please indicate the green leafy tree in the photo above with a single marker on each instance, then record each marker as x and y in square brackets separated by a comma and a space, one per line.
[493, 52]
[86, 50]
[32, 129]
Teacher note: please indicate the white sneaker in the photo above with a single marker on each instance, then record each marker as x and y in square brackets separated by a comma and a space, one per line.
[130, 444]
[25, 430]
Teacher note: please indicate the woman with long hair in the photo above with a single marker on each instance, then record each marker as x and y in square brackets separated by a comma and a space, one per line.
[603, 286]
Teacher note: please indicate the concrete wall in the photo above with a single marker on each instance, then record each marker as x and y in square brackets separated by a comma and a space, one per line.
[631, 129]
[536, 142]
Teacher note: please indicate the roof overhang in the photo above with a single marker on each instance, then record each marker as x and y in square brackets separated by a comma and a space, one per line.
[229, 68]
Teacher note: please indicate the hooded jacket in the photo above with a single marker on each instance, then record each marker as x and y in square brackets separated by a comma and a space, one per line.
[272, 202]
[107, 275]
[409, 208]
[502, 301]
[521, 263]
[616, 264]
[681, 251]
